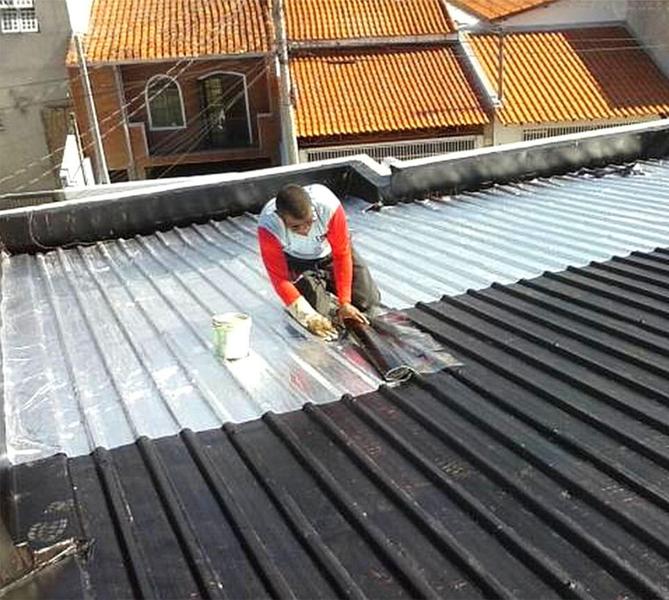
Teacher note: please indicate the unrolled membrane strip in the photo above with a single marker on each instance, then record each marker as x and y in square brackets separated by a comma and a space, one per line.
[379, 352]
[396, 348]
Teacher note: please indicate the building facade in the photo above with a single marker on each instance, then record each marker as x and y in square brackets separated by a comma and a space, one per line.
[34, 102]
[177, 97]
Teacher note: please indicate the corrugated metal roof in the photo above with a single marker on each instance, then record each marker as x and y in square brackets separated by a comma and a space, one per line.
[573, 75]
[383, 91]
[537, 470]
[106, 343]
[348, 19]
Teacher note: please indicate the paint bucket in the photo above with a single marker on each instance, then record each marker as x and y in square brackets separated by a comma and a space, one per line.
[232, 335]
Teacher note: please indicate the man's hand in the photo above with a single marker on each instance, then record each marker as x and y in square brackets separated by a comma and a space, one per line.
[348, 311]
[322, 327]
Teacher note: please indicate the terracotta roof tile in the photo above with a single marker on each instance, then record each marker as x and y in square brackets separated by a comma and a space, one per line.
[498, 9]
[163, 29]
[383, 91]
[346, 19]
[574, 75]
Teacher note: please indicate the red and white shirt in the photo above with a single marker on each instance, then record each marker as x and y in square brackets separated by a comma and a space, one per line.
[328, 235]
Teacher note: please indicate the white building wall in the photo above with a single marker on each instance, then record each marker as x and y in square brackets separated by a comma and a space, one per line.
[571, 13]
[650, 23]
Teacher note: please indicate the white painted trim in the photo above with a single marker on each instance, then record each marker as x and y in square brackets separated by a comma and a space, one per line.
[148, 105]
[246, 95]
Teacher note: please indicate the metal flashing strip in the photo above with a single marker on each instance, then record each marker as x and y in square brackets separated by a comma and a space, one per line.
[538, 470]
[110, 342]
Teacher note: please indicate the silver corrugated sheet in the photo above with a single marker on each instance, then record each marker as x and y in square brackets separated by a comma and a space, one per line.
[106, 343]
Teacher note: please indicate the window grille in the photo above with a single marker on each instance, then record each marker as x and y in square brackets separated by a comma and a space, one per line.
[538, 133]
[28, 20]
[400, 150]
[17, 4]
[18, 20]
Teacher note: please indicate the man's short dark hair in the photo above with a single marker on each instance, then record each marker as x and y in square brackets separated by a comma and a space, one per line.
[293, 200]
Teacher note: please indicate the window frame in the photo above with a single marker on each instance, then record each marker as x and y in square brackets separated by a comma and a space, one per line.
[246, 95]
[147, 103]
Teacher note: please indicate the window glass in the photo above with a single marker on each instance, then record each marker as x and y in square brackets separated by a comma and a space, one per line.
[165, 106]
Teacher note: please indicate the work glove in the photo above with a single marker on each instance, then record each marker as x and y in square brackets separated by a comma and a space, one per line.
[322, 327]
[310, 319]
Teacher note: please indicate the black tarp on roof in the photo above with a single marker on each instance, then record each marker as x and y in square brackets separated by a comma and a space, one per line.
[538, 470]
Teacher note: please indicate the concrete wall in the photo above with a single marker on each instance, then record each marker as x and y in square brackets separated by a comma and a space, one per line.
[27, 60]
[650, 23]
[572, 13]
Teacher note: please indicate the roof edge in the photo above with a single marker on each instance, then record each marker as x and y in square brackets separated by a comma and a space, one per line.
[475, 169]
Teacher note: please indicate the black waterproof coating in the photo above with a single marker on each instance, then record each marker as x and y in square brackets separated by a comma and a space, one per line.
[378, 351]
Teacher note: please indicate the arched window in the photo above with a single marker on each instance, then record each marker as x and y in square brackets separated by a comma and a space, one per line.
[164, 102]
[226, 109]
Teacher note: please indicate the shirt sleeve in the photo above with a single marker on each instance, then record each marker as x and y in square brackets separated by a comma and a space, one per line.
[342, 262]
[277, 266]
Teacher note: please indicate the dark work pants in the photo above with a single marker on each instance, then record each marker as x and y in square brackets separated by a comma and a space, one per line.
[315, 281]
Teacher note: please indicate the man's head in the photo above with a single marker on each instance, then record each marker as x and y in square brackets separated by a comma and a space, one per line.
[293, 205]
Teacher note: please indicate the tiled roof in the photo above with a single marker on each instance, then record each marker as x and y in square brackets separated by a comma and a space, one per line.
[123, 30]
[383, 91]
[497, 9]
[573, 75]
[345, 19]
[536, 470]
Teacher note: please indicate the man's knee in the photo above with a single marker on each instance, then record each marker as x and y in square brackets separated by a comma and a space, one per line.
[365, 293]
[314, 290]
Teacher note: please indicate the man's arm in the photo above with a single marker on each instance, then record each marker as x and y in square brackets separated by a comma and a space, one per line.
[277, 270]
[277, 266]
[342, 263]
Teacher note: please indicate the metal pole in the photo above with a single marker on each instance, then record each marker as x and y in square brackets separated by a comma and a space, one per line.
[132, 167]
[286, 111]
[500, 67]
[101, 162]
[80, 150]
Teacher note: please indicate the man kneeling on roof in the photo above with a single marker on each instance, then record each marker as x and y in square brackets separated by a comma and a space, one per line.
[305, 245]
